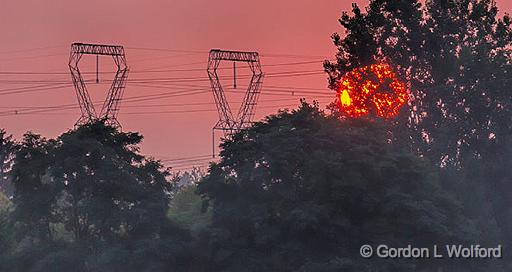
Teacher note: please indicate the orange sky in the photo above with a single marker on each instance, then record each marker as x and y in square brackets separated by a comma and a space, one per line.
[274, 28]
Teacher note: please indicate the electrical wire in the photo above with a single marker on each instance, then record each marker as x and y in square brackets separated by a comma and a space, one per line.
[174, 86]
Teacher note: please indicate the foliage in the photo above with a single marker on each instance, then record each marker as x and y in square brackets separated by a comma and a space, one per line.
[34, 190]
[371, 90]
[113, 201]
[303, 190]
[6, 230]
[454, 54]
[7, 149]
[107, 190]
[186, 209]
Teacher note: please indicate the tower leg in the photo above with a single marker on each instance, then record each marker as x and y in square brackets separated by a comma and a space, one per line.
[213, 142]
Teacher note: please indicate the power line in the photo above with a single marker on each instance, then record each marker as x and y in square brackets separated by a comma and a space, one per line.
[180, 79]
[34, 89]
[157, 71]
[53, 110]
[189, 161]
[272, 55]
[30, 49]
[187, 158]
[141, 106]
[186, 92]
[168, 50]
[32, 57]
[188, 168]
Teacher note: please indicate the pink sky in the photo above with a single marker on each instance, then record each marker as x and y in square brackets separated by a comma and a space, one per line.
[271, 27]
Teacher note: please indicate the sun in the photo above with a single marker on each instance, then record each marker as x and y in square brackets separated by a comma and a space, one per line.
[371, 90]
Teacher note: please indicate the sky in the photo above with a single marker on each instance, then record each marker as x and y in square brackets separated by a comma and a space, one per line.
[164, 40]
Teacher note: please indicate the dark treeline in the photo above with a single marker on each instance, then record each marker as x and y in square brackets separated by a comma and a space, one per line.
[301, 190]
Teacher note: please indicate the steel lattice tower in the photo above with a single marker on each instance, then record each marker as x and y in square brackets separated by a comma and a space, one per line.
[110, 106]
[227, 121]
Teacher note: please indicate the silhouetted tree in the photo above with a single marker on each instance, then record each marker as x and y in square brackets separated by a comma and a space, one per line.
[114, 201]
[34, 189]
[107, 189]
[187, 211]
[6, 228]
[456, 57]
[7, 150]
[303, 191]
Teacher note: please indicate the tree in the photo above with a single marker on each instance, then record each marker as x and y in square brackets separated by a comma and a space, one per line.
[303, 191]
[93, 181]
[107, 190]
[186, 209]
[455, 56]
[6, 235]
[34, 190]
[7, 150]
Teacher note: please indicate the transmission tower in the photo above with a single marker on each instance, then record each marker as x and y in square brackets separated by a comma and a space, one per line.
[110, 107]
[227, 121]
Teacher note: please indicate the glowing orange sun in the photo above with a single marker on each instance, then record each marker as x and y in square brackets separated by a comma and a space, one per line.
[373, 89]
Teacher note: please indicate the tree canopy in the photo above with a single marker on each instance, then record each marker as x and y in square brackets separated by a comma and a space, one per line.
[455, 56]
[7, 149]
[87, 200]
[303, 191]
